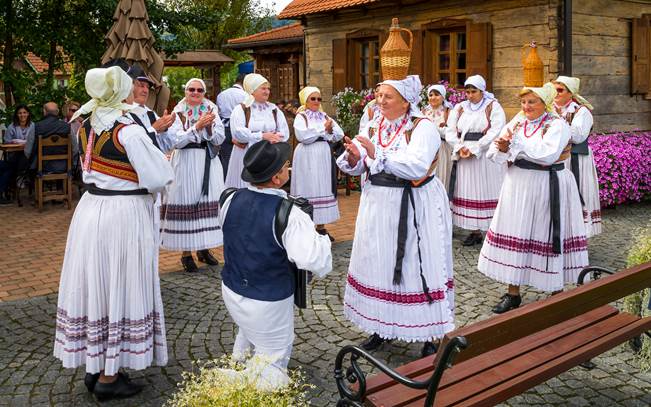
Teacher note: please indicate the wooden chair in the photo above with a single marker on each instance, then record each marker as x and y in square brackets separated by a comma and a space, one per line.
[503, 356]
[45, 144]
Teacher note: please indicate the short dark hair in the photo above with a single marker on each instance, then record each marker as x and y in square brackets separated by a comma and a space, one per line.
[240, 78]
[15, 116]
[469, 86]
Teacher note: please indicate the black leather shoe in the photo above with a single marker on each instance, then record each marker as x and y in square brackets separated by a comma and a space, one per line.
[507, 303]
[372, 342]
[90, 380]
[189, 265]
[429, 348]
[122, 387]
[473, 239]
[205, 256]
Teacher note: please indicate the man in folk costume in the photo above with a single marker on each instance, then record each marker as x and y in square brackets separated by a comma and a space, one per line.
[109, 311]
[253, 120]
[537, 236]
[226, 101]
[400, 279]
[257, 281]
[314, 175]
[578, 113]
[475, 181]
[191, 206]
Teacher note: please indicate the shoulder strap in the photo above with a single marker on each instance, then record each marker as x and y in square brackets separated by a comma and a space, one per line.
[182, 118]
[304, 117]
[225, 194]
[414, 123]
[489, 110]
[247, 114]
[152, 116]
[282, 218]
[445, 116]
[274, 112]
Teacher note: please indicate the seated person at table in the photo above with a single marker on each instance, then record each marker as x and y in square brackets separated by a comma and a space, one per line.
[49, 126]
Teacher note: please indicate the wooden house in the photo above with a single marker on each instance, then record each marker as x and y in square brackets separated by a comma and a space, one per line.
[606, 43]
[278, 56]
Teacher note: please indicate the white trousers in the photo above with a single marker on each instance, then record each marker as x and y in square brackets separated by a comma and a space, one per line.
[266, 332]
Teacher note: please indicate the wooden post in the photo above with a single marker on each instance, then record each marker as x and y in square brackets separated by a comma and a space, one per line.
[216, 80]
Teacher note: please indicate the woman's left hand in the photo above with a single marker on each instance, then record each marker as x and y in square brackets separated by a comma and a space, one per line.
[368, 146]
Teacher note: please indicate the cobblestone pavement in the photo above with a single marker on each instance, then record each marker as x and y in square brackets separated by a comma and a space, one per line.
[198, 327]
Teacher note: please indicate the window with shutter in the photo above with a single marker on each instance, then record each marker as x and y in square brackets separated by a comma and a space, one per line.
[641, 70]
[453, 49]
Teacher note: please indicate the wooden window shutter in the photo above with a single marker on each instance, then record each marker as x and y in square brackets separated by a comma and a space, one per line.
[416, 62]
[339, 64]
[479, 57]
[641, 70]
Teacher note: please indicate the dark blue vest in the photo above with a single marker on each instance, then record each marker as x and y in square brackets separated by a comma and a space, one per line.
[255, 266]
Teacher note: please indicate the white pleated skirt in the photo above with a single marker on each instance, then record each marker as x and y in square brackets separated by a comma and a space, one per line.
[518, 249]
[235, 167]
[109, 311]
[189, 221]
[312, 180]
[444, 164]
[477, 190]
[371, 300]
[589, 187]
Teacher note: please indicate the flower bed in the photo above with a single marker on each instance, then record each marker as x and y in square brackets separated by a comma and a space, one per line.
[623, 162]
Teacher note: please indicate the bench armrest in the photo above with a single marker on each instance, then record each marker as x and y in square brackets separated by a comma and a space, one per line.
[354, 374]
[596, 273]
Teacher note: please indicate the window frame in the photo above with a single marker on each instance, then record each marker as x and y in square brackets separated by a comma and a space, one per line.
[355, 42]
[431, 45]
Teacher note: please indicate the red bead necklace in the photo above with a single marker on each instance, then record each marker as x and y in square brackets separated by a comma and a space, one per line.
[526, 122]
[391, 138]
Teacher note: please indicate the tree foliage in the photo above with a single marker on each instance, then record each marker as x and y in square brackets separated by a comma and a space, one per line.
[69, 36]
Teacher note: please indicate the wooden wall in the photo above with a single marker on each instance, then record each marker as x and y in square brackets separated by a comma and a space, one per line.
[514, 24]
[601, 50]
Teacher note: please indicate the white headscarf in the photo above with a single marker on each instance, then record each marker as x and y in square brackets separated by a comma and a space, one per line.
[108, 87]
[252, 82]
[480, 83]
[441, 91]
[409, 88]
[572, 84]
[193, 113]
[547, 93]
[304, 94]
[187, 84]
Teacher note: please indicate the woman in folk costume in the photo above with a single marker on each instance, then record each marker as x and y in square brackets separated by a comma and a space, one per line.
[537, 235]
[437, 110]
[191, 207]
[475, 181]
[109, 311]
[400, 280]
[313, 172]
[577, 112]
[253, 120]
[371, 110]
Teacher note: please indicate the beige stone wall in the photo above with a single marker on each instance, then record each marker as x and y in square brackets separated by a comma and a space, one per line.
[514, 23]
[601, 50]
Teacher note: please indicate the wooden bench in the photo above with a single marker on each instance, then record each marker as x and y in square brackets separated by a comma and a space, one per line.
[505, 355]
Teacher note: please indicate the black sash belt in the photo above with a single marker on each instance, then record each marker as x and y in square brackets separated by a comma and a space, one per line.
[472, 136]
[577, 150]
[333, 168]
[554, 198]
[383, 179]
[95, 190]
[206, 166]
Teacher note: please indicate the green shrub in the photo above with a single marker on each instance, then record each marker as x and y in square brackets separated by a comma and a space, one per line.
[638, 304]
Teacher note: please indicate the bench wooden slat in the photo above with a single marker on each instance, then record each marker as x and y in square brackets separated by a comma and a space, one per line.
[467, 380]
[556, 366]
[422, 371]
[492, 333]
[476, 386]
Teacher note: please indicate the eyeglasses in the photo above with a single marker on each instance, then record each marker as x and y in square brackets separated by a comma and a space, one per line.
[560, 90]
[315, 99]
[198, 90]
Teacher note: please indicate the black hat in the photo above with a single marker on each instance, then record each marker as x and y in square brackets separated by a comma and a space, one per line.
[138, 74]
[263, 160]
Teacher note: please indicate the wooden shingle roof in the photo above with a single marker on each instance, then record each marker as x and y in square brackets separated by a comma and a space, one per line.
[287, 32]
[298, 8]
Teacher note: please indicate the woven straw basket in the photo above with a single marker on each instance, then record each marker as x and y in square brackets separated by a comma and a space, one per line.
[532, 66]
[395, 53]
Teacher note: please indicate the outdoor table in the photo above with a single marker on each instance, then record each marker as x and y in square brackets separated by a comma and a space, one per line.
[10, 148]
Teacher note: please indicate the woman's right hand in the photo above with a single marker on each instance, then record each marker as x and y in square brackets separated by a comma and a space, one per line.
[272, 137]
[353, 152]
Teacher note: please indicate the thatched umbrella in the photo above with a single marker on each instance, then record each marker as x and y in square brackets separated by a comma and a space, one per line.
[131, 40]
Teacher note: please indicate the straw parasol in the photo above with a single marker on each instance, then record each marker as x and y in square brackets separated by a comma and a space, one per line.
[130, 39]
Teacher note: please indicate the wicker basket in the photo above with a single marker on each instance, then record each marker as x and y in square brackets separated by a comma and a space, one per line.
[532, 66]
[395, 53]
